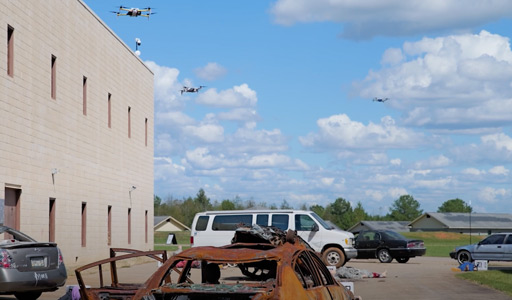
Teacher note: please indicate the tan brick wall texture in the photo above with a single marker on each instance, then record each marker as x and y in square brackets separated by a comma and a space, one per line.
[95, 164]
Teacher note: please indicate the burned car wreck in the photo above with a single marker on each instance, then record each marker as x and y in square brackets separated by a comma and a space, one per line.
[261, 263]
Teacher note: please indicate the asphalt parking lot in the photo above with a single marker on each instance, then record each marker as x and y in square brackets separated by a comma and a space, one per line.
[420, 278]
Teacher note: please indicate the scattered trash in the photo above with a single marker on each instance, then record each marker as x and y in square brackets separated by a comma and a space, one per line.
[354, 273]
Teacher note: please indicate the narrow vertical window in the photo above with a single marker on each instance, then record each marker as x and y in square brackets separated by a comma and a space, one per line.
[10, 51]
[109, 225]
[129, 122]
[109, 110]
[129, 225]
[146, 226]
[54, 77]
[146, 132]
[84, 95]
[51, 237]
[84, 224]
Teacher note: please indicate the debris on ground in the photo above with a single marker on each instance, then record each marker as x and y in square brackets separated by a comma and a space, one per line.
[354, 273]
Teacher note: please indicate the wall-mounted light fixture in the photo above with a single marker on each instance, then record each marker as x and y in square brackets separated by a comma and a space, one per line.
[55, 171]
[132, 188]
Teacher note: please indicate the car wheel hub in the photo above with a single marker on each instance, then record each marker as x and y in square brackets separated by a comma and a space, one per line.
[333, 258]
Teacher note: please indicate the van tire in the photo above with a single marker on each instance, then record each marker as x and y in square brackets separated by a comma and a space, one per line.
[333, 257]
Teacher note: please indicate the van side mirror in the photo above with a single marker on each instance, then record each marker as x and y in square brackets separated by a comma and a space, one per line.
[315, 227]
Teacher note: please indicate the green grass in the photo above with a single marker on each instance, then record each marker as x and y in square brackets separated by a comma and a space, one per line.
[182, 238]
[440, 244]
[497, 279]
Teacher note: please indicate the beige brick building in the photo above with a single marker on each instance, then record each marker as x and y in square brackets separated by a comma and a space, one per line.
[76, 131]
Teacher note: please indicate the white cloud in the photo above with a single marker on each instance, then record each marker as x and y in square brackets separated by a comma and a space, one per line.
[397, 192]
[366, 19]
[472, 171]
[202, 159]
[392, 56]
[439, 161]
[165, 168]
[458, 83]
[243, 115]
[396, 161]
[208, 133]
[327, 181]
[492, 195]
[166, 85]
[499, 141]
[238, 96]
[211, 71]
[499, 170]
[341, 133]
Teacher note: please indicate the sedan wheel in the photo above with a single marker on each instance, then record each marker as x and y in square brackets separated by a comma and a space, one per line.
[334, 257]
[384, 256]
[27, 295]
[402, 260]
[464, 256]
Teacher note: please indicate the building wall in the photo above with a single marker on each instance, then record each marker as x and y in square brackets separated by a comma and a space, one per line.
[93, 163]
[428, 224]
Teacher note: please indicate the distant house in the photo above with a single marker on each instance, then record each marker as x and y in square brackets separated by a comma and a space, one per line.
[476, 223]
[398, 226]
[168, 223]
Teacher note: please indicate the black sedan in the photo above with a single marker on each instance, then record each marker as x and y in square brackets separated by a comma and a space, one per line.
[27, 267]
[386, 245]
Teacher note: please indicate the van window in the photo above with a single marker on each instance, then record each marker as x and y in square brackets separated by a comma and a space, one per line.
[262, 220]
[304, 223]
[202, 223]
[280, 221]
[231, 222]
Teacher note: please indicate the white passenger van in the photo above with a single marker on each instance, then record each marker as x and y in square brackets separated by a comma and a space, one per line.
[217, 228]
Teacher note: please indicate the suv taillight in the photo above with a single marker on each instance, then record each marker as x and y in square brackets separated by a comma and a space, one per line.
[6, 260]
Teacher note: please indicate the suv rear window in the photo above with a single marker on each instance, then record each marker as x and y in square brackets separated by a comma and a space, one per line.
[280, 221]
[232, 222]
[202, 223]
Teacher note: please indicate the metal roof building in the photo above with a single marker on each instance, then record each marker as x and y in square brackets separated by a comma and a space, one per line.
[486, 223]
[398, 226]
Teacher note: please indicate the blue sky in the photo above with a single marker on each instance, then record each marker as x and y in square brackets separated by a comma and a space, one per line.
[287, 111]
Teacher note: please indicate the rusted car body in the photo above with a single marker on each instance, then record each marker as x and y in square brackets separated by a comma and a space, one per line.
[115, 289]
[253, 267]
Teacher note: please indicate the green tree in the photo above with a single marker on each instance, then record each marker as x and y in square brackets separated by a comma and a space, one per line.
[202, 201]
[455, 205]
[156, 204]
[285, 205]
[227, 205]
[340, 212]
[318, 209]
[359, 213]
[405, 208]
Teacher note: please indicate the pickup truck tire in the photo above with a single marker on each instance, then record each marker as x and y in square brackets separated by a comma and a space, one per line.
[333, 257]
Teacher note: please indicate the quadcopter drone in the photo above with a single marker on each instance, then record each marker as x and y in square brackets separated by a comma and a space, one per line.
[133, 12]
[191, 89]
[380, 99]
